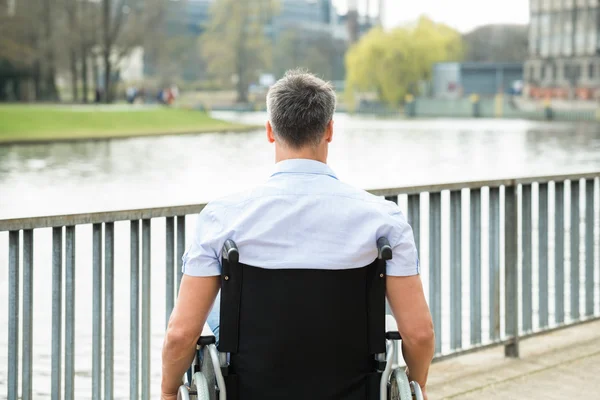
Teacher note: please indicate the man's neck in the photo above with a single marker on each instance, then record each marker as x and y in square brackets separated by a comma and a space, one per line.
[306, 154]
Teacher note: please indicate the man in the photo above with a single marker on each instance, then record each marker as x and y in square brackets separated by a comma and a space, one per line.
[293, 220]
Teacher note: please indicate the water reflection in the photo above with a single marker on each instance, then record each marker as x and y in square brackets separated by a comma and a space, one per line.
[367, 152]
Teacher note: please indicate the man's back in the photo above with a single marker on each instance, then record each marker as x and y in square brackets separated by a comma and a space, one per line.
[302, 217]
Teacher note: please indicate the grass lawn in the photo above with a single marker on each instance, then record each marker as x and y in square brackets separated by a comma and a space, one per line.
[31, 123]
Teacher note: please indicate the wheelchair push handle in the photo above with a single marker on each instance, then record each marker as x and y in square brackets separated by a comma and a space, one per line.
[384, 250]
[231, 252]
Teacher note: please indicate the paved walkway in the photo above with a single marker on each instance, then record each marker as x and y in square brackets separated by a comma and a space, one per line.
[560, 365]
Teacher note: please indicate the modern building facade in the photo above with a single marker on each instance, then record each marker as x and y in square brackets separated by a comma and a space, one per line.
[452, 80]
[564, 57]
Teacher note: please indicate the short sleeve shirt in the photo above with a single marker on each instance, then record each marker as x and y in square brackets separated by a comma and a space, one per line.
[302, 217]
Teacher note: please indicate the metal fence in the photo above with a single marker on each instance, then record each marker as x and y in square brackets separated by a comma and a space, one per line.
[498, 230]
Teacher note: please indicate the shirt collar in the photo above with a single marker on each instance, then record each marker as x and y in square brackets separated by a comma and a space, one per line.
[303, 166]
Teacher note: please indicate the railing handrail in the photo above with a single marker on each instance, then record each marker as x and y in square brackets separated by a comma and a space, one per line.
[174, 211]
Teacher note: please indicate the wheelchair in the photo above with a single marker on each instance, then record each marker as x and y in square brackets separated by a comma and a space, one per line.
[300, 334]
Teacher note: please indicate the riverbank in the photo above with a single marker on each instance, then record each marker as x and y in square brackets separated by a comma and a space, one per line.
[33, 123]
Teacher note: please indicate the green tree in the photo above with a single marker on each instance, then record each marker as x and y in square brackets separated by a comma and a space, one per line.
[392, 63]
[235, 44]
[315, 52]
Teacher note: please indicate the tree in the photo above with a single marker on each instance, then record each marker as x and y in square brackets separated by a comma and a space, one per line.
[235, 44]
[392, 63]
[27, 43]
[497, 43]
[315, 52]
[124, 26]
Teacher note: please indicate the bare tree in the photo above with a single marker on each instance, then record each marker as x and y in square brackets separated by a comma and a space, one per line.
[124, 25]
[235, 44]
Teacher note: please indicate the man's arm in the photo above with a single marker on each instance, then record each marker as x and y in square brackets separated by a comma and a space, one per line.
[407, 301]
[195, 300]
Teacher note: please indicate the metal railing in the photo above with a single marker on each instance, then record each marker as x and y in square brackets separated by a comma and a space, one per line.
[500, 215]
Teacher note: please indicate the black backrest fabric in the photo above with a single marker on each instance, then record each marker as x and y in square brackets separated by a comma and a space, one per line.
[302, 334]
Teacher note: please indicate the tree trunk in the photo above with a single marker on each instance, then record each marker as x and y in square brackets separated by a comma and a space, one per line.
[106, 29]
[73, 66]
[96, 75]
[71, 12]
[107, 80]
[50, 83]
[37, 85]
[242, 87]
[84, 74]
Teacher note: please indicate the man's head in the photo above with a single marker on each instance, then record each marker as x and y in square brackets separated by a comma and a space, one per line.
[301, 108]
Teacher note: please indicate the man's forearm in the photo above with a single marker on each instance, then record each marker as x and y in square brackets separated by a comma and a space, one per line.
[418, 356]
[177, 358]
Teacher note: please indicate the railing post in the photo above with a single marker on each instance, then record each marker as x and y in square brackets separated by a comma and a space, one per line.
[56, 312]
[13, 314]
[511, 281]
[435, 269]
[559, 252]
[146, 281]
[543, 254]
[494, 267]
[180, 248]
[97, 312]
[27, 376]
[414, 218]
[589, 247]
[475, 265]
[170, 268]
[70, 314]
[134, 316]
[574, 250]
[456, 269]
[109, 301]
[527, 267]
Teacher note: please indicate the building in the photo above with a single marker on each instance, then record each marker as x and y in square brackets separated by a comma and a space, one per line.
[455, 80]
[564, 60]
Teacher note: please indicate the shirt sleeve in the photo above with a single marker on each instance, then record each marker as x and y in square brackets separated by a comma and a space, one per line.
[405, 260]
[202, 256]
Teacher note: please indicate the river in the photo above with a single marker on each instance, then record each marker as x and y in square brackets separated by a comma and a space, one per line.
[66, 178]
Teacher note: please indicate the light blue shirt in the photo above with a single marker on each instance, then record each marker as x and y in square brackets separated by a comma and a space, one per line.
[302, 217]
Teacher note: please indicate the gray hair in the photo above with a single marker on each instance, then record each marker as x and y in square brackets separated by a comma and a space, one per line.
[300, 106]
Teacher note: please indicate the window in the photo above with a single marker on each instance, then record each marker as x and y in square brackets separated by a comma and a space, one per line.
[545, 34]
[591, 71]
[592, 16]
[534, 35]
[556, 35]
[532, 76]
[567, 33]
[580, 33]
[543, 73]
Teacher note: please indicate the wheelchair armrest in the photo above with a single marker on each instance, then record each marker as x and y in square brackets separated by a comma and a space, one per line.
[391, 328]
[207, 336]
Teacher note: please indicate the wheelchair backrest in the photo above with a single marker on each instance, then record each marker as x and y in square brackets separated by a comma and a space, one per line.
[302, 328]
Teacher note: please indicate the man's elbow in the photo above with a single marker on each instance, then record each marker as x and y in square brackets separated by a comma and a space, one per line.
[422, 336]
[177, 341]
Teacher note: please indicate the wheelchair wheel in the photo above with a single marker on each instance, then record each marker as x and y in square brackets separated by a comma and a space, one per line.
[200, 385]
[417, 390]
[399, 386]
[183, 393]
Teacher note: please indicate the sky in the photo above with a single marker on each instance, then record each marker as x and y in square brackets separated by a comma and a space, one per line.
[463, 15]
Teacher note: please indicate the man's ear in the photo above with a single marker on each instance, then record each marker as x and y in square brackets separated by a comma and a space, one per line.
[329, 132]
[270, 134]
